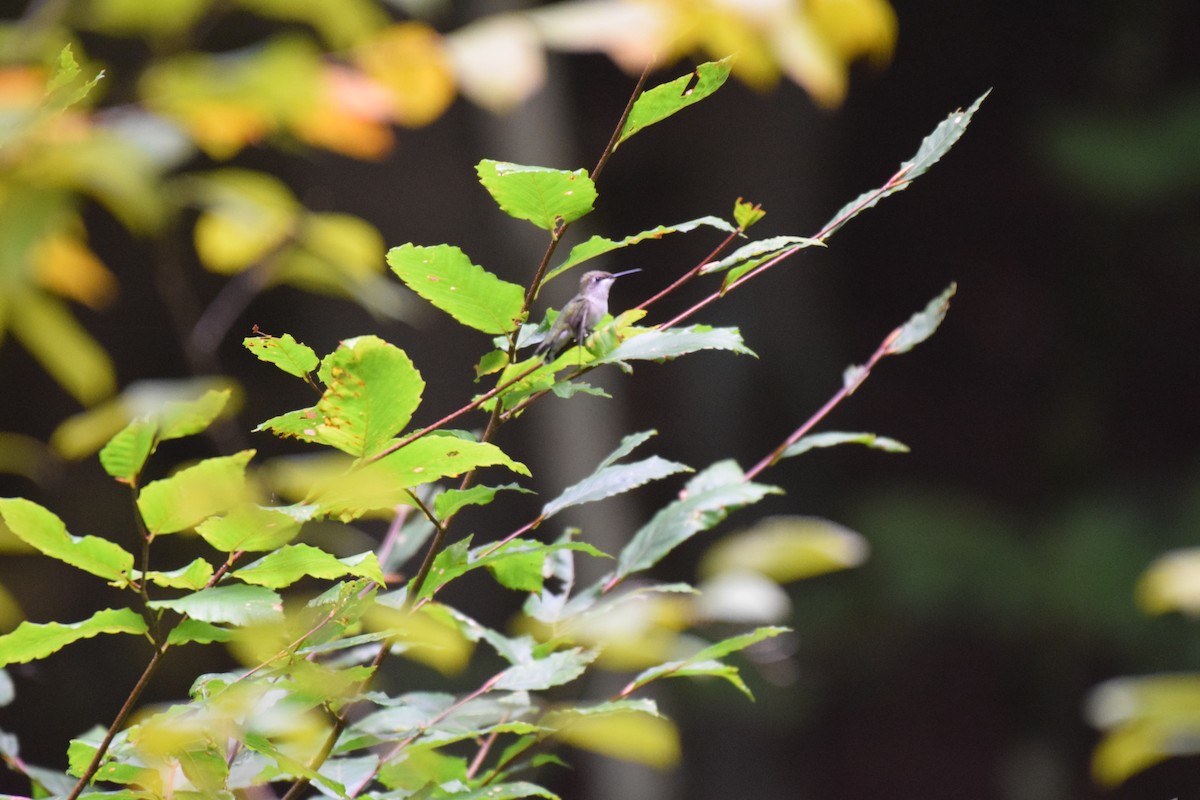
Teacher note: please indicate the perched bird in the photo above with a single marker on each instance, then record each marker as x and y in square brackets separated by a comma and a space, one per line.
[581, 313]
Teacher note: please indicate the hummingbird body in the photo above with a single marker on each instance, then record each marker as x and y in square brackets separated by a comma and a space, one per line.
[581, 313]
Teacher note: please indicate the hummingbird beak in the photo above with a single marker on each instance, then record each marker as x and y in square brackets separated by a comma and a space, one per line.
[626, 272]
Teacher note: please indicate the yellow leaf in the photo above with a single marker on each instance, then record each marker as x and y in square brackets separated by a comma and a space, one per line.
[855, 28]
[248, 216]
[630, 736]
[67, 267]
[787, 549]
[424, 635]
[1172, 583]
[62, 346]
[352, 115]
[410, 59]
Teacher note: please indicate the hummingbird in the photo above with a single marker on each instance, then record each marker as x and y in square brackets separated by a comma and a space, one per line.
[581, 313]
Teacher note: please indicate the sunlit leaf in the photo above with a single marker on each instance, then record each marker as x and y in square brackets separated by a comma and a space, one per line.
[290, 563]
[382, 484]
[451, 501]
[787, 549]
[247, 216]
[410, 60]
[190, 495]
[252, 528]
[44, 531]
[60, 344]
[662, 101]
[631, 735]
[30, 641]
[544, 196]
[373, 390]
[236, 604]
[1146, 720]
[194, 576]
[444, 276]
[746, 213]
[423, 636]
[180, 418]
[1172, 583]
[284, 352]
[126, 453]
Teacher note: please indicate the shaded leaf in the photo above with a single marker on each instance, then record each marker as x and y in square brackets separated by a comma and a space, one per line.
[704, 661]
[922, 324]
[613, 480]
[544, 196]
[758, 251]
[236, 604]
[598, 245]
[451, 501]
[833, 438]
[539, 674]
[44, 531]
[193, 630]
[662, 101]
[653, 345]
[31, 641]
[705, 501]
[444, 276]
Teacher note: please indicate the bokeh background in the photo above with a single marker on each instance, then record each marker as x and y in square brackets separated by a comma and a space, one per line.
[1052, 419]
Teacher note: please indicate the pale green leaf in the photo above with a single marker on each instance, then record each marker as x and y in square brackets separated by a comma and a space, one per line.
[52, 335]
[250, 527]
[662, 101]
[451, 501]
[193, 630]
[539, 674]
[31, 641]
[382, 484]
[706, 500]
[598, 245]
[631, 735]
[180, 418]
[544, 196]
[371, 395]
[444, 276]
[290, 563]
[746, 213]
[705, 662]
[654, 345]
[183, 500]
[932, 148]
[758, 251]
[284, 352]
[834, 438]
[237, 604]
[922, 324]
[613, 480]
[125, 454]
[510, 790]
[45, 532]
[194, 576]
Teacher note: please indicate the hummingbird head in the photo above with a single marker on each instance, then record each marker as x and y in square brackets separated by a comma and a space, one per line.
[599, 281]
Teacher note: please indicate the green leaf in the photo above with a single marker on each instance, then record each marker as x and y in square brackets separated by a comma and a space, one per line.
[653, 345]
[371, 395]
[706, 500]
[704, 662]
[505, 791]
[834, 438]
[284, 352]
[382, 484]
[759, 251]
[126, 453]
[932, 148]
[613, 480]
[746, 214]
[628, 444]
[664, 100]
[193, 630]
[544, 196]
[254, 528]
[190, 495]
[922, 324]
[194, 576]
[451, 501]
[31, 641]
[45, 532]
[180, 418]
[598, 245]
[63, 90]
[444, 276]
[631, 735]
[539, 674]
[236, 604]
[48, 330]
[787, 548]
[290, 563]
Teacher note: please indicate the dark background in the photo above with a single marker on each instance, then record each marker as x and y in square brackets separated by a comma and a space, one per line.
[1052, 419]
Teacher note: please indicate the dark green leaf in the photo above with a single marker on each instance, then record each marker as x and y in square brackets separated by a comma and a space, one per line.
[653, 345]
